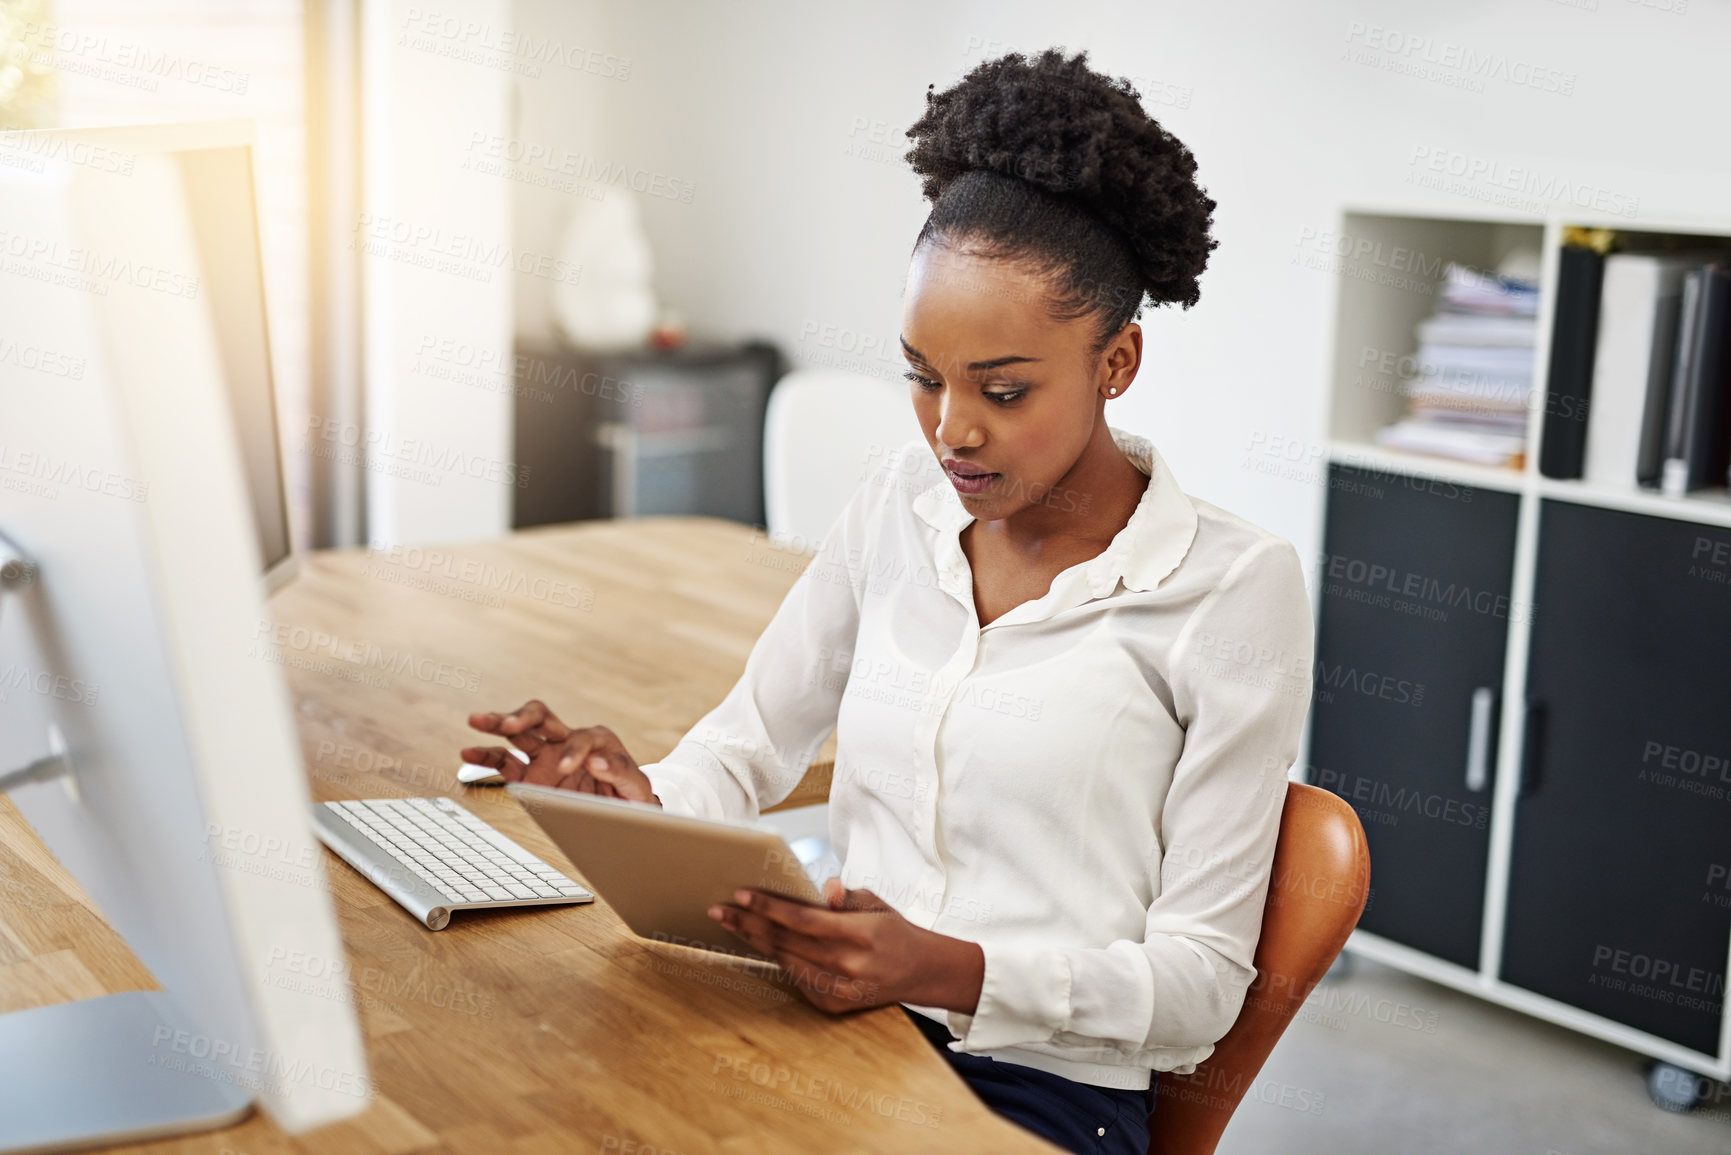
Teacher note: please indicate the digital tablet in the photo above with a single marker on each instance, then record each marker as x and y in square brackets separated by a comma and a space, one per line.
[662, 872]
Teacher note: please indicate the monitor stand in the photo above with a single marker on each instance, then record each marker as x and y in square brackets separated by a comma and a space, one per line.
[121, 1068]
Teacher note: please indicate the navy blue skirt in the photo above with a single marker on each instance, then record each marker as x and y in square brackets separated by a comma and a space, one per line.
[1075, 1116]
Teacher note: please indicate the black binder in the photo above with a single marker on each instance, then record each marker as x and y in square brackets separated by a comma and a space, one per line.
[1574, 337]
[1696, 434]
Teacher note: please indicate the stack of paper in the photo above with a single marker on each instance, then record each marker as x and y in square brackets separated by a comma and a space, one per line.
[1471, 390]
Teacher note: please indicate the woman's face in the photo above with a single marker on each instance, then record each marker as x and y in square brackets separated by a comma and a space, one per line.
[1004, 391]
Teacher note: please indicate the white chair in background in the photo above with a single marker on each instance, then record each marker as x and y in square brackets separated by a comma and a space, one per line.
[823, 432]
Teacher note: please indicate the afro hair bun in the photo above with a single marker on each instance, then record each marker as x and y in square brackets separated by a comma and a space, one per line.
[1083, 137]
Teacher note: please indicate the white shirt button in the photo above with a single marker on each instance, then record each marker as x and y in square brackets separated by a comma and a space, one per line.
[1101, 1131]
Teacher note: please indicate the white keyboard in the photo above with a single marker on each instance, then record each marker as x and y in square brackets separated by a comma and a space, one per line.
[433, 857]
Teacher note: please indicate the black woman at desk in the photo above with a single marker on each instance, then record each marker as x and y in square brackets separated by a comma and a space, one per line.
[1065, 694]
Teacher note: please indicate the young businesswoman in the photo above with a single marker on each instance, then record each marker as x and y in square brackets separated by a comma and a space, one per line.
[1065, 695]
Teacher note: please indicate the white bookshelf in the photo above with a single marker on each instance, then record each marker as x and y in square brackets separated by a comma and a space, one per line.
[1372, 315]
[1377, 308]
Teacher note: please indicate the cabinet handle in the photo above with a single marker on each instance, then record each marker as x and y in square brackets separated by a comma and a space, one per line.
[1479, 739]
[1532, 746]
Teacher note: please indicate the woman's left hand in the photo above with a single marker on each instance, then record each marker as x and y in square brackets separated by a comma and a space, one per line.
[859, 953]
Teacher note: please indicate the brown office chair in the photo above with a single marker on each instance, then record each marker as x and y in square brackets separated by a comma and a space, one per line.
[1320, 880]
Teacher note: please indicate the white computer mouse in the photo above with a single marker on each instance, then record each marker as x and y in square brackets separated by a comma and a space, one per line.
[474, 774]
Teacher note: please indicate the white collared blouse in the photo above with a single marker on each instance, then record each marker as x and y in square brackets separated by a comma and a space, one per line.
[1089, 786]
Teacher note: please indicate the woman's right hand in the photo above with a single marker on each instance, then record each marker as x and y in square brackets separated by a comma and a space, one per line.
[591, 760]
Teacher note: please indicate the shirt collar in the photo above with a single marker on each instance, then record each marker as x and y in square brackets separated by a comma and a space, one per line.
[1145, 551]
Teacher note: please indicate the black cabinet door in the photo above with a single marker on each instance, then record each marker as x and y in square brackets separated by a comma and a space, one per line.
[1414, 615]
[1619, 895]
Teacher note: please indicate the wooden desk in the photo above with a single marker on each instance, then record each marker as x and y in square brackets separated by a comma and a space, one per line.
[538, 1031]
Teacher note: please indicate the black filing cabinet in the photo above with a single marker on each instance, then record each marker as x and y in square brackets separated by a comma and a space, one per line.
[1413, 622]
[1619, 900]
[641, 432]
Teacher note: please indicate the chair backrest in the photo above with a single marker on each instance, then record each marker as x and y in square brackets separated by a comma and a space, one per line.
[824, 431]
[1320, 880]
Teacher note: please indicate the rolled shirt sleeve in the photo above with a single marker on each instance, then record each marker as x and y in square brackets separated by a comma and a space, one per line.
[1241, 684]
[752, 750]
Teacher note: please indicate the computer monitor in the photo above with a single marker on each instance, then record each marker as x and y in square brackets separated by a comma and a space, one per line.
[217, 174]
[144, 732]
[220, 194]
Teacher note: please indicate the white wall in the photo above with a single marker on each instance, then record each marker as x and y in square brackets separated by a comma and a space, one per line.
[437, 274]
[787, 117]
[560, 113]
